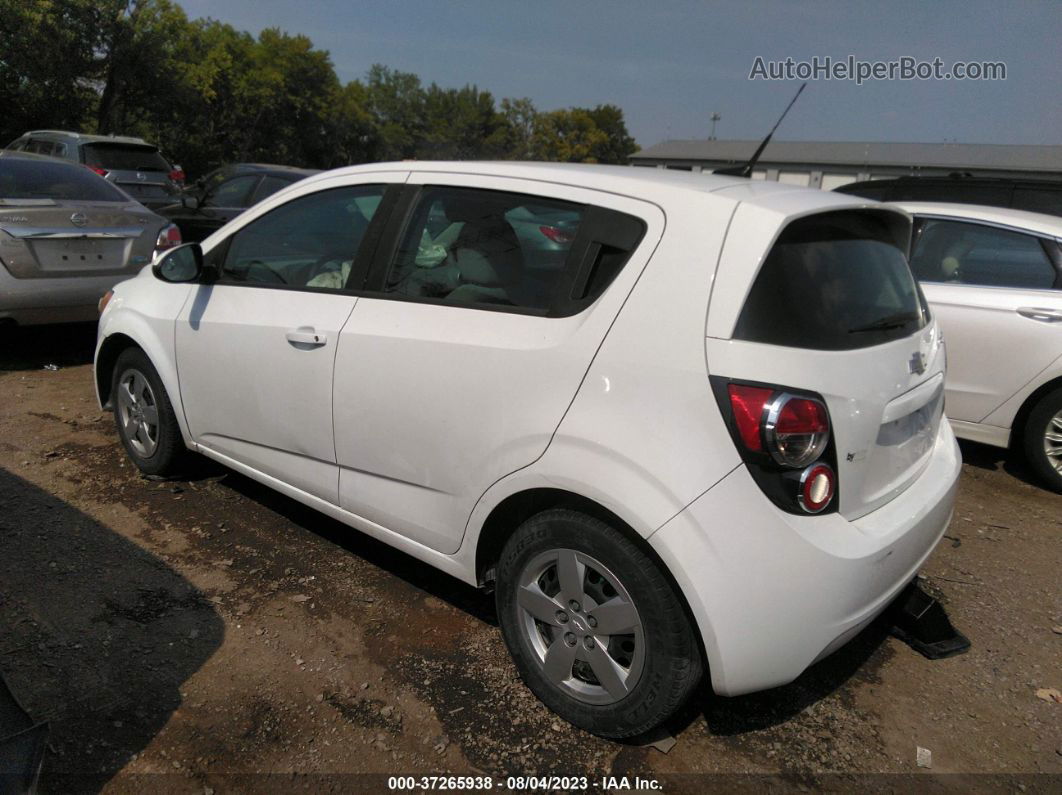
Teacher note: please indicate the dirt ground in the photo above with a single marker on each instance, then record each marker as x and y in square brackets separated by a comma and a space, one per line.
[210, 635]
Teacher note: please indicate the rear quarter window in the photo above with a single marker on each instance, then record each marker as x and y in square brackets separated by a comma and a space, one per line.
[835, 281]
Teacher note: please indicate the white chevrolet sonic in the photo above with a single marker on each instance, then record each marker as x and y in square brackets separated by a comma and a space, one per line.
[682, 424]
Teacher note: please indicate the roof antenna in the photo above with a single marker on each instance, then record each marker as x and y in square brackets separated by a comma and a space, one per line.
[745, 170]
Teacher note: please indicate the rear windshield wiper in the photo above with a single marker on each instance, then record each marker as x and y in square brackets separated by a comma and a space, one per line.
[886, 323]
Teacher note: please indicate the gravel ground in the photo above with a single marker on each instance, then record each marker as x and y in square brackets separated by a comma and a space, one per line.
[209, 634]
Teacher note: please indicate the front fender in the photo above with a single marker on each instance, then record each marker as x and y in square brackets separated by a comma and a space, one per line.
[149, 326]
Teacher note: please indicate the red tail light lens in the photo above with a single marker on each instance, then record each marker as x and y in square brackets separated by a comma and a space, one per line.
[556, 234]
[101, 171]
[177, 175]
[169, 237]
[817, 485]
[747, 403]
[797, 430]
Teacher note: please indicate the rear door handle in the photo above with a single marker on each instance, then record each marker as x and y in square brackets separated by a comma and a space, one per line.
[1041, 314]
[306, 336]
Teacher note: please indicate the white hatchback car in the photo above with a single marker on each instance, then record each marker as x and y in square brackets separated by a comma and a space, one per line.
[993, 278]
[678, 422]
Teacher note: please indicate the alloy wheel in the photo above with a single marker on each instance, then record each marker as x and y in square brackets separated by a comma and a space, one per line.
[1053, 442]
[138, 413]
[582, 625]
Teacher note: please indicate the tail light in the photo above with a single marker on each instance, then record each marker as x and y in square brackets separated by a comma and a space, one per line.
[557, 235]
[101, 171]
[169, 237]
[784, 437]
[177, 175]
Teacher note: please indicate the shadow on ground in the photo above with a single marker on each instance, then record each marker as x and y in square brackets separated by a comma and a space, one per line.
[414, 572]
[98, 635]
[992, 459]
[35, 347]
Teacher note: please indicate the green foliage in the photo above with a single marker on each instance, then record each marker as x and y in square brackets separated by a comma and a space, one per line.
[209, 94]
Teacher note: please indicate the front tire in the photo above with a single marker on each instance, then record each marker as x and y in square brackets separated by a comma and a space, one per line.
[144, 416]
[594, 626]
[1043, 440]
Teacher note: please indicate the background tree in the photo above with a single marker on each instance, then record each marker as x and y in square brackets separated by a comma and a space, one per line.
[209, 94]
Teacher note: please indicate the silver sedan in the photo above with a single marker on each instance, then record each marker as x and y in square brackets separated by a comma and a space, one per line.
[67, 236]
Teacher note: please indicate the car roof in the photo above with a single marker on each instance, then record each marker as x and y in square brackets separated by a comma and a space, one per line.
[958, 181]
[635, 181]
[1041, 223]
[88, 139]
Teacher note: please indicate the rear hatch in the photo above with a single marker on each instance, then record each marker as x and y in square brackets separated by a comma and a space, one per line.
[834, 310]
[138, 169]
[58, 219]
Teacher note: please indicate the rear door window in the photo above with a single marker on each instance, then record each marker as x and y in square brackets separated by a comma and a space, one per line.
[493, 249]
[124, 157]
[970, 253]
[465, 246]
[835, 281]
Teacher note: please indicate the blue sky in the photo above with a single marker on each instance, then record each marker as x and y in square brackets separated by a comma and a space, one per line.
[670, 64]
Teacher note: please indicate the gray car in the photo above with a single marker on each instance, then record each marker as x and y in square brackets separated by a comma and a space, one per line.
[66, 238]
[133, 164]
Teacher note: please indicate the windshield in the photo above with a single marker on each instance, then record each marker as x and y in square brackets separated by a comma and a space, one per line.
[43, 179]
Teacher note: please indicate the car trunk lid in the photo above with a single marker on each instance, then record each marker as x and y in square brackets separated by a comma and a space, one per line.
[75, 238]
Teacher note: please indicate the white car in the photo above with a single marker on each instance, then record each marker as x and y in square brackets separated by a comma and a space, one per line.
[993, 278]
[703, 435]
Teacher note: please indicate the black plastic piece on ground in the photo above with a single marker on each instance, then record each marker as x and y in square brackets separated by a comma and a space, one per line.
[21, 745]
[921, 623]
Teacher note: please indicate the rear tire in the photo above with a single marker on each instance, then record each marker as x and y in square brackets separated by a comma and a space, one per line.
[594, 626]
[1043, 440]
[144, 416]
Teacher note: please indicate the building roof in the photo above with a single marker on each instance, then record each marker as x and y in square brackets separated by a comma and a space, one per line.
[1012, 157]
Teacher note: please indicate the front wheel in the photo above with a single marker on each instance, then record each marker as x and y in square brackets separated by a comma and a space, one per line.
[144, 416]
[1043, 440]
[594, 626]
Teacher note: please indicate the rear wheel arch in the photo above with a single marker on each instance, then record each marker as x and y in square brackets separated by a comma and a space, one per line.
[1017, 428]
[514, 510]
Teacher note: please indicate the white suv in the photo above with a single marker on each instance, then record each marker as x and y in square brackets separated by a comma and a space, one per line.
[680, 423]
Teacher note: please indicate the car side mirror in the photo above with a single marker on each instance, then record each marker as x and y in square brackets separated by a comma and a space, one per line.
[180, 265]
[190, 202]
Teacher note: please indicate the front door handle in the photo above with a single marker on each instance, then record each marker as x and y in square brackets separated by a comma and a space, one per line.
[1041, 314]
[306, 337]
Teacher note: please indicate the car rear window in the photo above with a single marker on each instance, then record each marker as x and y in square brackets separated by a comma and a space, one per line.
[42, 179]
[124, 157]
[835, 281]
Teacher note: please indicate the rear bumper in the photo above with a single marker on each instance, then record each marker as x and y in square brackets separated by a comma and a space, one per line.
[67, 300]
[774, 592]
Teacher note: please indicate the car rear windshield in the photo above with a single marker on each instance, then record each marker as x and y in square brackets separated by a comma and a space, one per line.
[835, 281]
[22, 179]
[124, 157]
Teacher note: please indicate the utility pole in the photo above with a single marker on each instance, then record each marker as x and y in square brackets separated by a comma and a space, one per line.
[713, 119]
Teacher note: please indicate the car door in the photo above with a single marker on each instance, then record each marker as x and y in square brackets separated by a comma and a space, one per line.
[994, 291]
[460, 360]
[255, 350]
